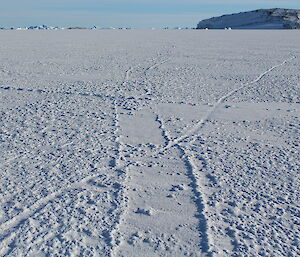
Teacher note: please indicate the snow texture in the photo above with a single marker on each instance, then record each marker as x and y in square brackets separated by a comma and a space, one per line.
[149, 143]
[276, 18]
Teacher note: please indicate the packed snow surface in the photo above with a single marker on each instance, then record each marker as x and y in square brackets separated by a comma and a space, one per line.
[276, 18]
[149, 143]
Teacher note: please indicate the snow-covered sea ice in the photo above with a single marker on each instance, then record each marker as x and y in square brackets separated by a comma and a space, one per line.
[149, 143]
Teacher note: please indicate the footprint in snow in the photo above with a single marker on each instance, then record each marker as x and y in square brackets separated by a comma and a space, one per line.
[144, 212]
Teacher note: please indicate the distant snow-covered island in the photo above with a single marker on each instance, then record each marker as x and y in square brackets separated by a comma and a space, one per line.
[277, 18]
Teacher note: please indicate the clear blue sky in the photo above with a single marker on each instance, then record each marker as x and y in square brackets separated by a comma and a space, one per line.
[125, 13]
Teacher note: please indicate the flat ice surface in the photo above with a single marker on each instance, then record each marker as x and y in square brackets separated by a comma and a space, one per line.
[149, 143]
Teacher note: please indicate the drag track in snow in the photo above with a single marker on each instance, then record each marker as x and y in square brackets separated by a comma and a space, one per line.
[221, 100]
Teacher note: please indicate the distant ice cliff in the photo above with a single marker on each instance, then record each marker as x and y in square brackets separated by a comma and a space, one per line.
[276, 18]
